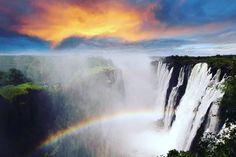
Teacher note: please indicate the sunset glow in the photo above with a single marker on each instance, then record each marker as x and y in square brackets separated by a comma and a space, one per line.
[62, 24]
[59, 21]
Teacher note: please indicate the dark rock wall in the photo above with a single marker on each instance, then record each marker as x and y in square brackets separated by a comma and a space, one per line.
[25, 122]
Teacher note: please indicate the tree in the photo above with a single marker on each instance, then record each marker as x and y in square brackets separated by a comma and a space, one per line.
[16, 77]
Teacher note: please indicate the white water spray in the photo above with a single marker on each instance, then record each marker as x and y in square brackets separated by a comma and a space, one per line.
[163, 75]
[143, 89]
[169, 112]
[201, 91]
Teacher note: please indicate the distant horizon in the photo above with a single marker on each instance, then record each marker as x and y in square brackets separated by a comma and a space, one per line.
[91, 53]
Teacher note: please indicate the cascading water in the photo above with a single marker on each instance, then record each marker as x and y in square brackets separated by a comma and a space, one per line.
[202, 90]
[169, 111]
[163, 75]
[97, 93]
[213, 119]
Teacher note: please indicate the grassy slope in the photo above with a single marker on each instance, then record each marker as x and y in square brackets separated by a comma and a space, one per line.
[97, 65]
[11, 91]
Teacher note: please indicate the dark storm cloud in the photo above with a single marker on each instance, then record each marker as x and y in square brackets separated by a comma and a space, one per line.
[12, 11]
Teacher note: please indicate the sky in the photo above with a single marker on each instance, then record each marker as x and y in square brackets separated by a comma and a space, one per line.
[164, 26]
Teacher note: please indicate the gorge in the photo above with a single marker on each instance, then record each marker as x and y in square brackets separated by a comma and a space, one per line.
[109, 105]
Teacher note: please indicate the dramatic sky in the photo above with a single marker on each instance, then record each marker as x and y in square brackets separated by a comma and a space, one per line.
[176, 26]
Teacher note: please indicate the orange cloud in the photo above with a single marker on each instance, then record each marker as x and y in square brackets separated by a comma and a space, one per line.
[57, 21]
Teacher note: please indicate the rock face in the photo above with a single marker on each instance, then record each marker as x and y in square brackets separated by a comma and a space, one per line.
[25, 122]
[29, 116]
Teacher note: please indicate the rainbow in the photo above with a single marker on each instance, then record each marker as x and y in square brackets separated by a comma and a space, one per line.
[93, 121]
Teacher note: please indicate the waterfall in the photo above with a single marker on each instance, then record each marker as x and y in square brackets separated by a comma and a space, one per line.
[162, 83]
[180, 119]
[202, 90]
[213, 118]
[169, 111]
[213, 115]
[127, 103]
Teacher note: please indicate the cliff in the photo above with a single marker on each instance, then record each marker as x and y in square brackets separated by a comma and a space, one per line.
[30, 111]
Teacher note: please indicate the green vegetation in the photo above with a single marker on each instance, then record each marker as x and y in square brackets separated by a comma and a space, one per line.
[12, 77]
[222, 145]
[11, 91]
[225, 63]
[99, 65]
[175, 153]
[14, 83]
[228, 103]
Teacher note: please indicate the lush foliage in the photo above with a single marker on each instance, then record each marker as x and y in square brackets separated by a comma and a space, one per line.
[11, 91]
[228, 103]
[221, 145]
[226, 63]
[14, 83]
[12, 77]
[175, 153]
